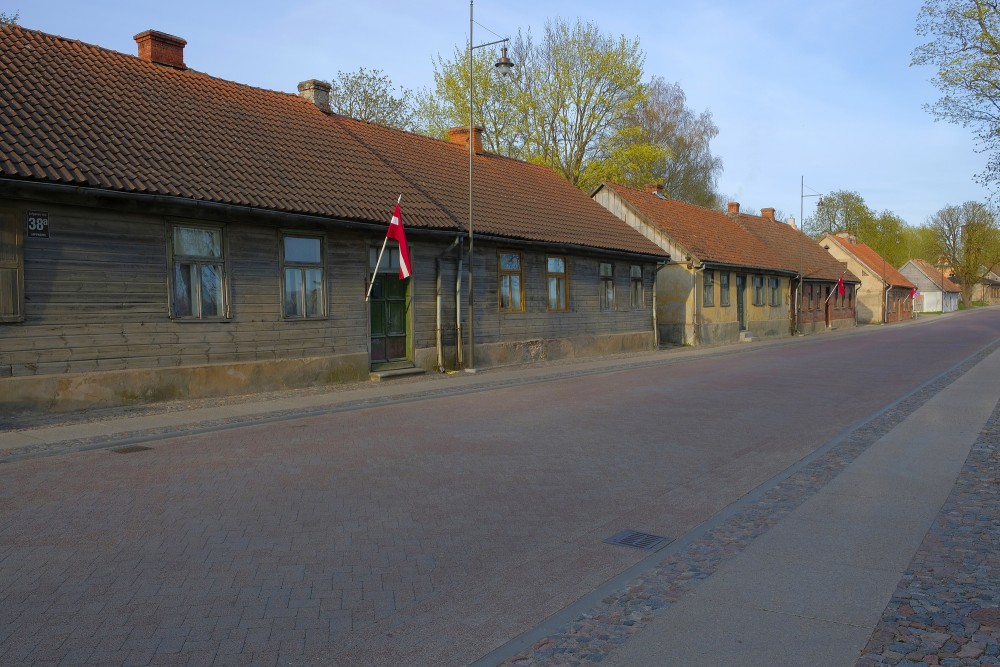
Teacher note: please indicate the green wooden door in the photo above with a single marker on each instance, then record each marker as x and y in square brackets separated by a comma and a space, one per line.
[388, 318]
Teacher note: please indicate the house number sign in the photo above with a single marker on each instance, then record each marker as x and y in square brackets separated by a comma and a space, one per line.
[38, 224]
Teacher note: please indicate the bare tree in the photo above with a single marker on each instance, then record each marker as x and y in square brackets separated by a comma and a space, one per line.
[965, 49]
[368, 95]
[969, 243]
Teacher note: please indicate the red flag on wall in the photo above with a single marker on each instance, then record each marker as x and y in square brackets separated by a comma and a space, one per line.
[397, 234]
[840, 286]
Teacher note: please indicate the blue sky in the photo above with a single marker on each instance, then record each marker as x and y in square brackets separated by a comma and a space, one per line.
[821, 90]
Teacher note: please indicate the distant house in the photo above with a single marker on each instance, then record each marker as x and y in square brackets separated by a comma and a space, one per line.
[169, 234]
[885, 294]
[732, 276]
[936, 293]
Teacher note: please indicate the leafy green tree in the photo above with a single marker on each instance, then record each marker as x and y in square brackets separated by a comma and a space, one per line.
[368, 95]
[885, 234]
[566, 104]
[845, 211]
[581, 87]
[921, 242]
[968, 238]
[495, 100]
[840, 211]
[965, 50]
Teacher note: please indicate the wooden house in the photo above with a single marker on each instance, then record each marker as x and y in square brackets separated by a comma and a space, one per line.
[885, 295]
[936, 293]
[733, 276]
[166, 234]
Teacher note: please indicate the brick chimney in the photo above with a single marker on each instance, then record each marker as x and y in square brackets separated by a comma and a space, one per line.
[161, 48]
[733, 208]
[655, 189]
[767, 213]
[460, 136]
[317, 92]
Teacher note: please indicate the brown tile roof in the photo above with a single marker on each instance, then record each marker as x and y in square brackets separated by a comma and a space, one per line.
[874, 261]
[711, 236]
[77, 114]
[747, 240]
[795, 251]
[934, 274]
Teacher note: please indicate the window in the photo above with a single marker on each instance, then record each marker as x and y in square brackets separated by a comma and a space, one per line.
[758, 290]
[637, 297]
[198, 276]
[11, 267]
[511, 292]
[708, 288]
[555, 278]
[303, 293]
[607, 274]
[724, 288]
[775, 291]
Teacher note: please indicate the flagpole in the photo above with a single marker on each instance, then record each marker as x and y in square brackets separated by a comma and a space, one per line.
[835, 288]
[379, 260]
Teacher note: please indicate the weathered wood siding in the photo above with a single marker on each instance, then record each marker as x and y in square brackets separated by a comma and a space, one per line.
[96, 298]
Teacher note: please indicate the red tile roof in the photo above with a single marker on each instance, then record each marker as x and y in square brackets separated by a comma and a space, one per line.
[77, 114]
[934, 274]
[874, 261]
[795, 251]
[745, 240]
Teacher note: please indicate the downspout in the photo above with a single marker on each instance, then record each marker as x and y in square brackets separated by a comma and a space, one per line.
[656, 328]
[697, 314]
[459, 360]
[885, 307]
[437, 299]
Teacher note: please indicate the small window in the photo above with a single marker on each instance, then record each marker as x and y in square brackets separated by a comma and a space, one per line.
[724, 288]
[637, 297]
[758, 290]
[708, 288]
[510, 295]
[775, 291]
[198, 276]
[557, 287]
[607, 275]
[303, 281]
[11, 267]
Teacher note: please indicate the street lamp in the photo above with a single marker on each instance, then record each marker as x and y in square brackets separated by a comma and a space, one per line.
[504, 66]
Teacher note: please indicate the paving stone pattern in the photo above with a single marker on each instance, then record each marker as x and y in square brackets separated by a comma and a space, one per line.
[955, 571]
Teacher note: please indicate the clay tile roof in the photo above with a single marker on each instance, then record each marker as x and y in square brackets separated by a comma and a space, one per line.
[874, 261]
[795, 250]
[711, 236]
[513, 199]
[934, 274]
[746, 240]
[77, 114]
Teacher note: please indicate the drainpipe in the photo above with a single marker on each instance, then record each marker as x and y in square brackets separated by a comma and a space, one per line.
[437, 299]
[697, 314]
[459, 360]
[885, 308]
[656, 328]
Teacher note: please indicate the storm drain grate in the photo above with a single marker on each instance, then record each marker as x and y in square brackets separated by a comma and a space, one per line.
[633, 538]
[130, 449]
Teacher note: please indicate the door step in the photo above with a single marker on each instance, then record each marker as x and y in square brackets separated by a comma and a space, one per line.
[390, 373]
[746, 337]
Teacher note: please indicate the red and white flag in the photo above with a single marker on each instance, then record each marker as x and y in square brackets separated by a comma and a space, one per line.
[397, 234]
[840, 286]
